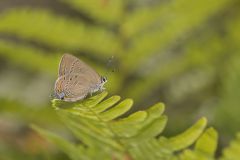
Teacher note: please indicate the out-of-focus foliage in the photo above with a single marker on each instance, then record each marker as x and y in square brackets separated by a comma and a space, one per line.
[102, 134]
[228, 110]
[182, 52]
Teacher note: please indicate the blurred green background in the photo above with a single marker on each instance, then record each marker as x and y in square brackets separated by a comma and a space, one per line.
[184, 53]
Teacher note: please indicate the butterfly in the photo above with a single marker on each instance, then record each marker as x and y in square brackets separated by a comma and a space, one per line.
[76, 80]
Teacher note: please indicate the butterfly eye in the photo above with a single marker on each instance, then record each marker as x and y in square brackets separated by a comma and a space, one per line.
[104, 79]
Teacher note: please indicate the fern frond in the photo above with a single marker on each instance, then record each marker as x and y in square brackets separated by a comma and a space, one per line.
[156, 39]
[58, 32]
[73, 151]
[160, 16]
[44, 62]
[193, 55]
[97, 124]
[99, 10]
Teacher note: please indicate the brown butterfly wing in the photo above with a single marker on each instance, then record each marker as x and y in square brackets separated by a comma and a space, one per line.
[74, 86]
[70, 64]
[76, 79]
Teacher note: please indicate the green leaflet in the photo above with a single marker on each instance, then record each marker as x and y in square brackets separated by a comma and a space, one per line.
[207, 143]
[205, 147]
[186, 138]
[116, 111]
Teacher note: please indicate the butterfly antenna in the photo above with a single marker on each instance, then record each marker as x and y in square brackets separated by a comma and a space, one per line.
[110, 66]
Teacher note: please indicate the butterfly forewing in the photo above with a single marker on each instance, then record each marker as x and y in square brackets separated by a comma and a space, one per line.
[70, 64]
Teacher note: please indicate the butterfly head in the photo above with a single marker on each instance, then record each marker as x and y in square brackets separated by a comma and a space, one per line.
[103, 79]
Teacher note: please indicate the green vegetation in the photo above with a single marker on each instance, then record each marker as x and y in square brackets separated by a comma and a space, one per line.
[102, 134]
[183, 53]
